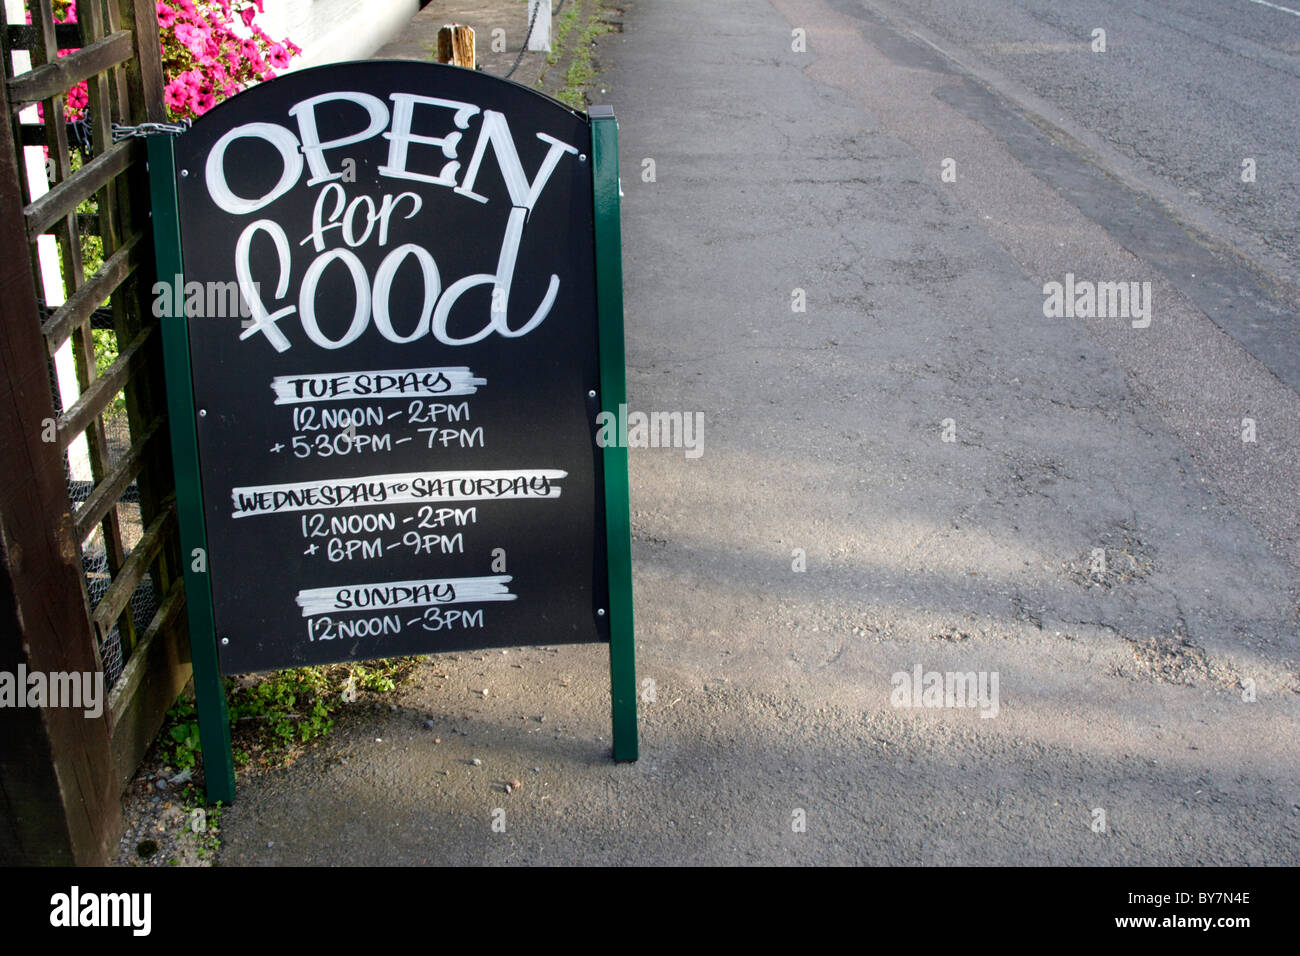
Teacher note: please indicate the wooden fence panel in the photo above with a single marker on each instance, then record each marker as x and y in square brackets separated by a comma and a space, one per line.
[89, 561]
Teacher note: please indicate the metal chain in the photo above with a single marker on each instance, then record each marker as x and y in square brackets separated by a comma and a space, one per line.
[79, 134]
[528, 36]
[122, 131]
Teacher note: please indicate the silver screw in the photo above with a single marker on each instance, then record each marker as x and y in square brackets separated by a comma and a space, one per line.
[582, 157]
[225, 641]
[184, 173]
[592, 393]
[203, 413]
[600, 612]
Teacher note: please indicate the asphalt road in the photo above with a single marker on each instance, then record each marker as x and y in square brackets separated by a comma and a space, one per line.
[1185, 90]
[919, 472]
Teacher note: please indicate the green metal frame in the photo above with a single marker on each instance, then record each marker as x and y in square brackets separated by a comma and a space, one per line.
[613, 393]
[214, 720]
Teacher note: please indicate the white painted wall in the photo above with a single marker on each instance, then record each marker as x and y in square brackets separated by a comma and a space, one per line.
[332, 30]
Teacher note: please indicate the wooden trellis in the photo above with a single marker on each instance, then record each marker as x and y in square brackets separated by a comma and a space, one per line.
[90, 574]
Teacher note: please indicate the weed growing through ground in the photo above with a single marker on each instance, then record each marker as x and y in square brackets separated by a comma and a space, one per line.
[273, 715]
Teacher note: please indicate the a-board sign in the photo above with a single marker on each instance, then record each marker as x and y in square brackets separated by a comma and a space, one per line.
[394, 416]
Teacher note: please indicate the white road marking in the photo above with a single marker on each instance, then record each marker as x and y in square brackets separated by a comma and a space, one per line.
[1265, 3]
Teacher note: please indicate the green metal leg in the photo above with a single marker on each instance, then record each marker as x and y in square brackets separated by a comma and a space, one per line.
[214, 720]
[613, 387]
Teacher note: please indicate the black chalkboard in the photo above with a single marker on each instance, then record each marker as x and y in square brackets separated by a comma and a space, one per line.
[395, 437]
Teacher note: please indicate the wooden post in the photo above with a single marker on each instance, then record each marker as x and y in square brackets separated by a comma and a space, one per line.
[456, 45]
[144, 72]
[539, 15]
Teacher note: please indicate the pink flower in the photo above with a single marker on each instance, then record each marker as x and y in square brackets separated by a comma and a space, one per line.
[190, 37]
[176, 95]
[278, 56]
[205, 59]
